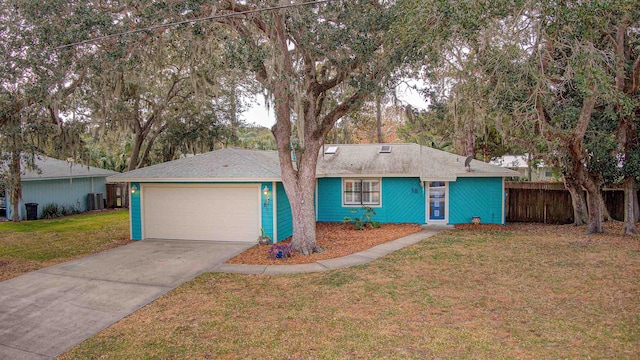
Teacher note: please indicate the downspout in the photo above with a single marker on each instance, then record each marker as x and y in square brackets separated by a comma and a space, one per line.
[130, 210]
[504, 200]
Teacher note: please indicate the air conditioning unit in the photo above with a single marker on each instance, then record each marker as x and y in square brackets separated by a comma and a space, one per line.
[91, 201]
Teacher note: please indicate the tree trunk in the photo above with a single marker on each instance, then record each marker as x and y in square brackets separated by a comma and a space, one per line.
[595, 211]
[606, 216]
[636, 205]
[299, 182]
[301, 190]
[629, 226]
[16, 184]
[135, 153]
[233, 113]
[345, 132]
[578, 201]
[144, 160]
[470, 148]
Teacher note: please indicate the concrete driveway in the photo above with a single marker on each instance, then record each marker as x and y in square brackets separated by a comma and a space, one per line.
[46, 312]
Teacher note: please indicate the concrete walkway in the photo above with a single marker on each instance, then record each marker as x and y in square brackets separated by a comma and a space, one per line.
[358, 258]
[46, 312]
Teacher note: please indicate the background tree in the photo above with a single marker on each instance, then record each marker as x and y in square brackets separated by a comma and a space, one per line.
[36, 75]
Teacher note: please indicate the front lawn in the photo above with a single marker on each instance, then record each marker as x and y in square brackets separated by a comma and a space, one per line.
[31, 245]
[525, 292]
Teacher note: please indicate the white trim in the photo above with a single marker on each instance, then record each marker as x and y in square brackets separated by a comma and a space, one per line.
[110, 179]
[259, 207]
[130, 210]
[428, 205]
[274, 208]
[191, 180]
[316, 209]
[483, 174]
[342, 180]
[142, 213]
[65, 177]
[365, 176]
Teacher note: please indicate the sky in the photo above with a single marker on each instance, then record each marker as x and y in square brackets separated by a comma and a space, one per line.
[259, 115]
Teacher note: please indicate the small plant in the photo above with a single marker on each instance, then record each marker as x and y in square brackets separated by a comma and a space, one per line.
[263, 239]
[51, 211]
[361, 222]
[280, 251]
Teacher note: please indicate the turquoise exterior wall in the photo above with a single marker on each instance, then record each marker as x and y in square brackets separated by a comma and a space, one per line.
[285, 220]
[403, 201]
[135, 213]
[67, 192]
[470, 197]
[267, 209]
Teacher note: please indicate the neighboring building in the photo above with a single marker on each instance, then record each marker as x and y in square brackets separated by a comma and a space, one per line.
[231, 194]
[59, 182]
[538, 171]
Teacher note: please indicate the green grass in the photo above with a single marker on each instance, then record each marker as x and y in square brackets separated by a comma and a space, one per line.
[30, 245]
[530, 292]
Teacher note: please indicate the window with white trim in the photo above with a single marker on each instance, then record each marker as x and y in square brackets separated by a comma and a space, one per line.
[361, 192]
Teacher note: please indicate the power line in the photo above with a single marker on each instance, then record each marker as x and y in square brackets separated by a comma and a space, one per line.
[212, 17]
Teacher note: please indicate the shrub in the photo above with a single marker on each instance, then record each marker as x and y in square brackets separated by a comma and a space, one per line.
[280, 251]
[52, 211]
[361, 222]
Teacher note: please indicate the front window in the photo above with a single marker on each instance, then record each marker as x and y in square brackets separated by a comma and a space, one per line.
[361, 192]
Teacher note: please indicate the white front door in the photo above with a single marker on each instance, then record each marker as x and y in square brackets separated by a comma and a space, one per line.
[437, 202]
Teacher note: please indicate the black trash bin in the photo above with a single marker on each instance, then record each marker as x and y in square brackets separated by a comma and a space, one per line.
[32, 211]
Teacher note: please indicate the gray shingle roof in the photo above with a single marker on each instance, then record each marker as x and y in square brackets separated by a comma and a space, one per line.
[404, 160]
[232, 164]
[229, 164]
[50, 168]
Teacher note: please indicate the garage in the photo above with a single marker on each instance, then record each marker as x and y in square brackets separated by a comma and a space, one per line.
[201, 212]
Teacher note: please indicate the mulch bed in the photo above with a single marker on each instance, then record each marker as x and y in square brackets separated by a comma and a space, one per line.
[335, 240]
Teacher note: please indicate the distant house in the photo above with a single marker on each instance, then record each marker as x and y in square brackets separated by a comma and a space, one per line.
[538, 171]
[231, 194]
[59, 182]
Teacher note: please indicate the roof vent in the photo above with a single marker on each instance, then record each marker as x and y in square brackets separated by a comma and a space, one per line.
[385, 149]
[331, 150]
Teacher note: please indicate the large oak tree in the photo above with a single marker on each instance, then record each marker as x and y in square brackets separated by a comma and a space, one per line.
[319, 62]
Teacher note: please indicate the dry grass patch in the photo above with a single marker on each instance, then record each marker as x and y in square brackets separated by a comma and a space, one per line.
[31, 245]
[524, 291]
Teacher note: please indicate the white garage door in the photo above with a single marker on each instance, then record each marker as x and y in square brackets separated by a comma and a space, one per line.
[196, 212]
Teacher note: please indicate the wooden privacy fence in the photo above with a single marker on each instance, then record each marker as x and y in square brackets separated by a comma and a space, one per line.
[117, 196]
[550, 203]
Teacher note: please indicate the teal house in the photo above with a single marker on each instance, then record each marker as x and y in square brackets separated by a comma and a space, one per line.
[59, 182]
[236, 194]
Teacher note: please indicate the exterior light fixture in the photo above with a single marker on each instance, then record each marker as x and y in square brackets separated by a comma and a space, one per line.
[265, 191]
[134, 188]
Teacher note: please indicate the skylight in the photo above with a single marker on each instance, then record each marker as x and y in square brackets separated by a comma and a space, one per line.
[385, 149]
[331, 150]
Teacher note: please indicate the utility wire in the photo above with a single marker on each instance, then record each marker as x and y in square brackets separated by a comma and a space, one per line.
[212, 17]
